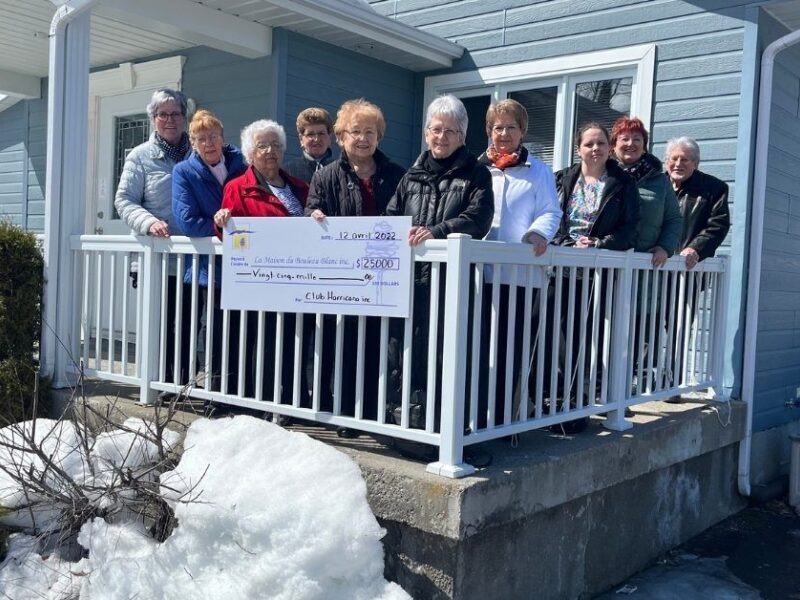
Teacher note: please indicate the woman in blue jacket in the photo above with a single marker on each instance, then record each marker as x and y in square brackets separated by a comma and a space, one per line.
[197, 185]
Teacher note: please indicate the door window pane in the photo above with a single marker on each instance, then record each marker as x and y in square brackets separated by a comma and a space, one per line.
[541, 106]
[601, 101]
[476, 106]
[129, 132]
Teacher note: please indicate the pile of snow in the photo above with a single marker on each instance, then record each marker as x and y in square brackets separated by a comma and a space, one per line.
[262, 513]
[80, 459]
[58, 440]
[26, 575]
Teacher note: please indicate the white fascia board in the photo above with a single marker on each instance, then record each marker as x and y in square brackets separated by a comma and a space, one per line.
[371, 25]
[19, 85]
[164, 72]
[194, 23]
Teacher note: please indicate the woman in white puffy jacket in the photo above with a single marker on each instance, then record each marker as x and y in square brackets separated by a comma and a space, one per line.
[526, 210]
[144, 202]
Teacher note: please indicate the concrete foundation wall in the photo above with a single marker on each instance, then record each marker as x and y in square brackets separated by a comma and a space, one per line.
[560, 517]
[576, 549]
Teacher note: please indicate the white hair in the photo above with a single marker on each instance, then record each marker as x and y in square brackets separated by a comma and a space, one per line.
[256, 128]
[163, 95]
[686, 143]
[449, 106]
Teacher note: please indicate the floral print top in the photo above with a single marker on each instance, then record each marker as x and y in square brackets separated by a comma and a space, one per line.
[583, 204]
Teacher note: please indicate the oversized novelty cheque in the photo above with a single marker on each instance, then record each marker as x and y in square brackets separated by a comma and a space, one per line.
[344, 265]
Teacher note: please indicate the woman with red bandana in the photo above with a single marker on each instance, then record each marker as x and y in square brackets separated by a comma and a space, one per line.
[525, 210]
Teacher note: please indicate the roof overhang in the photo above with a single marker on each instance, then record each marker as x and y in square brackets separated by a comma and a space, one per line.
[787, 12]
[370, 32]
[192, 22]
[130, 30]
[17, 86]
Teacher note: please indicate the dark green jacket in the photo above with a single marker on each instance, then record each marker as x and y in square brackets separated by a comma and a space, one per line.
[660, 219]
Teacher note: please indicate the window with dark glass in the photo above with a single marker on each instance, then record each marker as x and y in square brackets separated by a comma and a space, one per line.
[476, 106]
[541, 106]
[129, 132]
[602, 101]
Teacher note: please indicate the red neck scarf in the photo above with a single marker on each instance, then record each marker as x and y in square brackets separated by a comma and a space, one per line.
[502, 161]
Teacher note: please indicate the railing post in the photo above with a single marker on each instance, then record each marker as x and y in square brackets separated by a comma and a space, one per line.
[720, 317]
[454, 356]
[148, 337]
[620, 331]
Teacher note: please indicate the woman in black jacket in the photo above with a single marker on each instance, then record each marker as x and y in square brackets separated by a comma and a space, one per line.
[599, 200]
[600, 203]
[363, 179]
[445, 191]
[359, 183]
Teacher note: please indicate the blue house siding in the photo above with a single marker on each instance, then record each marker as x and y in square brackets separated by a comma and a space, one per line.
[318, 74]
[23, 141]
[777, 375]
[37, 159]
[238, 90]
[13, 160]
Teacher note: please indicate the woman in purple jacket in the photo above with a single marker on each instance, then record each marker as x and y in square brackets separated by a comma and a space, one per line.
[197, 185]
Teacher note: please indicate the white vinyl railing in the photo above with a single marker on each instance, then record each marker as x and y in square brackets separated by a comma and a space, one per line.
[514, 342]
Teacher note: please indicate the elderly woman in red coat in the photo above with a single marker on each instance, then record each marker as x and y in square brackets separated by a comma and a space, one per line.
[266, 190]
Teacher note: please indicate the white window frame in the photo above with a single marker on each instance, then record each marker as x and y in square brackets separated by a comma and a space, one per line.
[564, 72]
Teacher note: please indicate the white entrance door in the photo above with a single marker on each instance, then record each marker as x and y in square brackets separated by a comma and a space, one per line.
[122, 124]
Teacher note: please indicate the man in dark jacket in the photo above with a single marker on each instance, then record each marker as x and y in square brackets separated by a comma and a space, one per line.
[703, 200]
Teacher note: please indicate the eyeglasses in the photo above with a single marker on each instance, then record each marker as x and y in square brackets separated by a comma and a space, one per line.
[211, 138]
[501, 129]
[437, 131]
[311, 136]
[263, 147]
[165, 116]
[366, 133]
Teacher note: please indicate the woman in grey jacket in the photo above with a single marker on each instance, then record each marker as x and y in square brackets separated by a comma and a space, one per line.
[144, 201]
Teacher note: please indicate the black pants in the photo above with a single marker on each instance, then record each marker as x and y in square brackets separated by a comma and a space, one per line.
[248, 374]
[421, 341]
[347, 364]
[288, 366]
[518, 369]
[214, 378]
[648, 315]
[181, 318]
[567, 383]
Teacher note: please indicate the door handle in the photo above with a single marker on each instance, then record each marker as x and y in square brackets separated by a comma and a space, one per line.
[100, 214]
[98, 230]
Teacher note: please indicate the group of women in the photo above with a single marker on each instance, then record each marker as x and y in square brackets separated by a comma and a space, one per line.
[616, 197]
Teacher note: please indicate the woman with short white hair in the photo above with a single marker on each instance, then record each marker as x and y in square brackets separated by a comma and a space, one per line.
[266, 190]
[445, 191]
